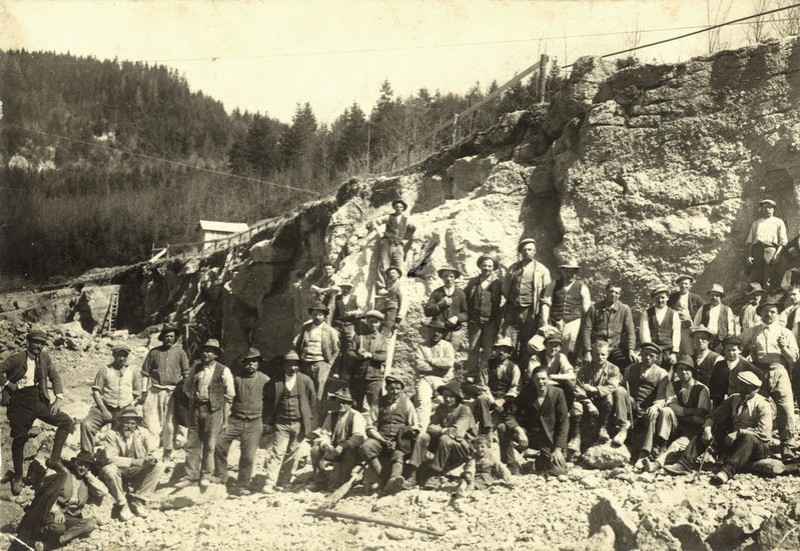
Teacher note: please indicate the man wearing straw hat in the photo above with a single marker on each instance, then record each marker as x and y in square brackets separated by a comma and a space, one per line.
[390, 250]
[128, 452]
[661, 325]
[564, 303]
[448, 304]
[765, 241]
[484, 294]
[717, 317]
[162, 369]
[366, 354]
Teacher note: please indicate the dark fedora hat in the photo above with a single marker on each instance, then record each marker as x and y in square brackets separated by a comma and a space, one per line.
[453, 387]
[252, 354]
[168, 328]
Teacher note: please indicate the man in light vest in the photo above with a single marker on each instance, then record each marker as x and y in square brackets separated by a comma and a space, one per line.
[718, 318]
[564, 303]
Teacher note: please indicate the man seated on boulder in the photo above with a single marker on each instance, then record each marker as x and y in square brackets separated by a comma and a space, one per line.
[687, 406]
[128, 453]
[502, 388]
[661, 325]
[447, 437]
[717, 317]
[564, 303]
[610, 320]
[724, 378]
[749, 317]
[448, 304]
[366, 354]
[647, 385]
[116, 387]
[245, 423]
[703, 357]
[686, 304]
[599, 394]
[433, 365]
[740, 428]
[55, 516]
[392, 421]
[337, 442]
[537, 419]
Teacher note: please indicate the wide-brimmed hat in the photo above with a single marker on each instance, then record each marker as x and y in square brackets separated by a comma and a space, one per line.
[130, 412]
[651, 346]
[374, 314]
[213, 343]
[440, 271]
[732, 340]
[770, 303]
[658, 290]
[400, 201]
[291, 356]
[436, 324]
[85, 458]
[769, 202]
[569, 264]
[504, 342]
[716, 288]
[525, 242]
[342, 394]
[119, 347]
[687, 361]
[35, 335]
[454, 387]
[252, 354]
[682, 277]
[749, 378]
[319, 307]
[392, 379]
[755, 288]
[483, 257]
[536, 343]
[168, 328]
[701, 329]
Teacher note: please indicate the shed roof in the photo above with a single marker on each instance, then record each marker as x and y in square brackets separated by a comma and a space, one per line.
[222, 227]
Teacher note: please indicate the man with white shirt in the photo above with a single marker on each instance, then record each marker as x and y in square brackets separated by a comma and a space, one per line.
[433, 366]
[661, 325]
[687, 304]
[564, 303]
[790, 315]
[774, 350]
[23, 378]
[765, 241]
[718, 318]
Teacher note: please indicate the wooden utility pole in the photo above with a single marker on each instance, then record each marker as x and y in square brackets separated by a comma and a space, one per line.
[543, 77]
[455, 128]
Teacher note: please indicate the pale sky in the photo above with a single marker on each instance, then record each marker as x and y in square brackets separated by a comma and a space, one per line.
[268, 56]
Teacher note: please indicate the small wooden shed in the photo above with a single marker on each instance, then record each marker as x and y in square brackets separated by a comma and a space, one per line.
[212, 230]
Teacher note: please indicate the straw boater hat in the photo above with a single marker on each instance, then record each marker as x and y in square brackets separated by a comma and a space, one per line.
[769, 202]
[718, 289]
[167, 328]
[213, 343]
[440, 271]
[701, 329]
[374, 314]
[483, 257]
[658, 290]
[400, 201]
[252, 354]
[682, 277]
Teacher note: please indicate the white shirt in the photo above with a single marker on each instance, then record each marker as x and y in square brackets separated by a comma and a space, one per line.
[768, 230]
[644, 327]
[290, 382]
[30, 373]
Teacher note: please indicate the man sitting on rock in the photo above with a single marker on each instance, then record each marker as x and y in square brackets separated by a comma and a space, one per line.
[503, 387]
[128, 453]
[117, 386]
[647, 385]
[598, 394]
[564, 303]
[448, 304]
[724, 379]
[433, 365]
[337, 442]
[391, 419]
[687, 406]
[56, 514]
[740, 428]
[366, 354]
[538, 419]
[447, 437]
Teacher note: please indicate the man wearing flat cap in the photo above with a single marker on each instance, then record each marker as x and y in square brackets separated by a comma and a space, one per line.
[392, 420]
[163, 368]
[564, 303]
[647, 383]
[209, 386]
[610, 320]
[433, 366]
[522, 288]
[317, 344]
[128, 453]
[725, 375]
[704, 358]
[740, 428]
[245, 423]
[23, 378]
[661, 325]
[773, 350]
[116, 387]
[502, 387]
[687, 304]
[717, 317]
[337, 442]
[366, 354]
[765, 242]
[448, 304]
[391, 246]
[484, 294]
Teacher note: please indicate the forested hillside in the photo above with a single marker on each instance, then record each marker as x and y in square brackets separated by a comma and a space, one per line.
[93, 186]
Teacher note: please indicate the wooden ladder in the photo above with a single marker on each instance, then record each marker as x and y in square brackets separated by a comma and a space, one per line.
[109, 323]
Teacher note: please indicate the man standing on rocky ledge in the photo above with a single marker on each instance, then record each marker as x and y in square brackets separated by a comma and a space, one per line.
[390, 250]
[23, 378]
[765, 241]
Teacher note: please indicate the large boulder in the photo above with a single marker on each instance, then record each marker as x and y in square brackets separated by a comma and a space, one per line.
[606, 457]
[609, 512]
[740, 523]
[781, 530]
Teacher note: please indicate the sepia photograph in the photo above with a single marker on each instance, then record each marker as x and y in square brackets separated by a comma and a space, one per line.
[399, 275]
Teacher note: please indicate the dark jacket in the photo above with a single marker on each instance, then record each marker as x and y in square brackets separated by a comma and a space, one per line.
[442, 312]
[695, 302]
[552, 416]
[483, 304]
[308, 395]
[216, 390]
[614, 325]
[15, 366]
[370, 369]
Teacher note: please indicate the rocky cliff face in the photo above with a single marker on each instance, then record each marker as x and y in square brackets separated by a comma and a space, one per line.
[641, 172]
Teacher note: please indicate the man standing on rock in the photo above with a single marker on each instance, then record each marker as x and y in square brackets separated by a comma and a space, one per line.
[484, 294]
[317, 345]
[433, 366]
[366, 354]
[130, 463]
[522, 289]
[661, 325]
[765, 241]
[741, 429]
[245, 423]
[290, 418]
[448, 304]
[718, 318]
[209, 386]
[391, 250]
[564, 304]
[687, 304]
[116, 387]
[162, 369]
[612, 321]
[23, 378]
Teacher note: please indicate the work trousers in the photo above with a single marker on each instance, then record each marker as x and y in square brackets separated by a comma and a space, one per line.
[389, 322]
[644, 431]
[283, 453]
[389, 254]
[141, 480]
[92, 424]
[375, 449]
[569, 336]
[201, 441]
[613, 409]
[486, 412]
[342, 467]
[25, 407]
[72, 528]
[779, 388]
[520, 324]
[745, 448]
[668, 425]
[448, 452]
[537, 440]
[364, 388]
[480, 338]
[248, 433]
[426, 390]
[319, 372]
[159, 416]
[765, 266]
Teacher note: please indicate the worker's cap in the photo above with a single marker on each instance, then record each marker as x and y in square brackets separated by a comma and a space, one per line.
[483, 257]
[525, 242]
[653, 347]
[682, 277]
[701, 330]
[767, 304]
[120, 349]
[749, 378]
[659, 290]
[553, 338]
[374, 314]
[732, 340]
[392, 379]
[768, 202]
[569, 264]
